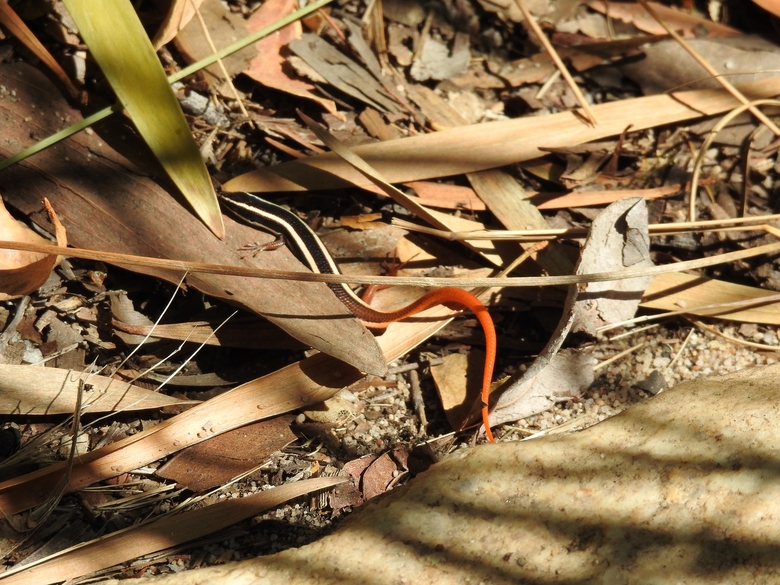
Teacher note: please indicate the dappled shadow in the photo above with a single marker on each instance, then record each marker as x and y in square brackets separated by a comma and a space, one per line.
[682, 488]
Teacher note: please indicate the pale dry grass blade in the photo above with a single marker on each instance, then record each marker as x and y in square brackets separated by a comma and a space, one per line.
[53, 391]
[494, 144]
[152, 536]
[687, 294]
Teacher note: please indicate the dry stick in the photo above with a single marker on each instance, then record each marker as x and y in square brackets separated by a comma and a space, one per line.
[617, 356]
[557, 60]
[220, 63]
[417, 400]
[418, 281]
[655, 229]
[746, 172]
[751, 344]
[710, 137]
[711, 70]
[679, 353]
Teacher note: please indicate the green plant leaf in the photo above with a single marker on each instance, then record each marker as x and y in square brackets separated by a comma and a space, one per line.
[119, 44]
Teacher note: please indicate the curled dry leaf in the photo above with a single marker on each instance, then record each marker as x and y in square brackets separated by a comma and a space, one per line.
[23, 272]
[618, 240]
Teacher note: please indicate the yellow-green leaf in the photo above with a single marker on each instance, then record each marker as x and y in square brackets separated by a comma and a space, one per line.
[120, 46]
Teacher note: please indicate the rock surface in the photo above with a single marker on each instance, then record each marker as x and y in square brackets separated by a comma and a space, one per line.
[684, 488]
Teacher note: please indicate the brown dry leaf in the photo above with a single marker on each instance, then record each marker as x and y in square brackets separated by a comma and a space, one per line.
[367, 221]
[225, 28]
[220, 459]
[668, 66]
[446, 196]
[122, 310]
[217, 328]
[772, 6]
[378, 476]
[591, 198]
[494, 144]
[180, 12]
[618, 240]
[168, 532]
[47, 391]
[17, 27]
[688, 25]
[110, 203]
[533, 69]
[342, 72]
[268, 65]
[24, 272]
[457, 382]
[685, 292]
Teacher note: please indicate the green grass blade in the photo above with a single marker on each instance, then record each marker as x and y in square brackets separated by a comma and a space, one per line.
[205, 62]
[116, 39]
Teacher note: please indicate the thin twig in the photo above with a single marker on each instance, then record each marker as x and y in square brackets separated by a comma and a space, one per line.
[558, 62]
[220, 62]
[657, 229]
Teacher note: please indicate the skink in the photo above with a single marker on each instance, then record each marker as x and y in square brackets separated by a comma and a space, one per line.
[257, 212]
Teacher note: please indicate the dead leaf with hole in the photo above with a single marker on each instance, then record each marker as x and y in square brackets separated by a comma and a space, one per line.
[24, 272]
[618, 240]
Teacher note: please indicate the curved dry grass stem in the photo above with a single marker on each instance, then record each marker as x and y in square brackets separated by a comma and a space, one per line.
[706, 144]
[751, 344]
[178, 266]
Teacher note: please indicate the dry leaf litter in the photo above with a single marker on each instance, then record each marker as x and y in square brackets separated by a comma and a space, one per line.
[375, 417]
